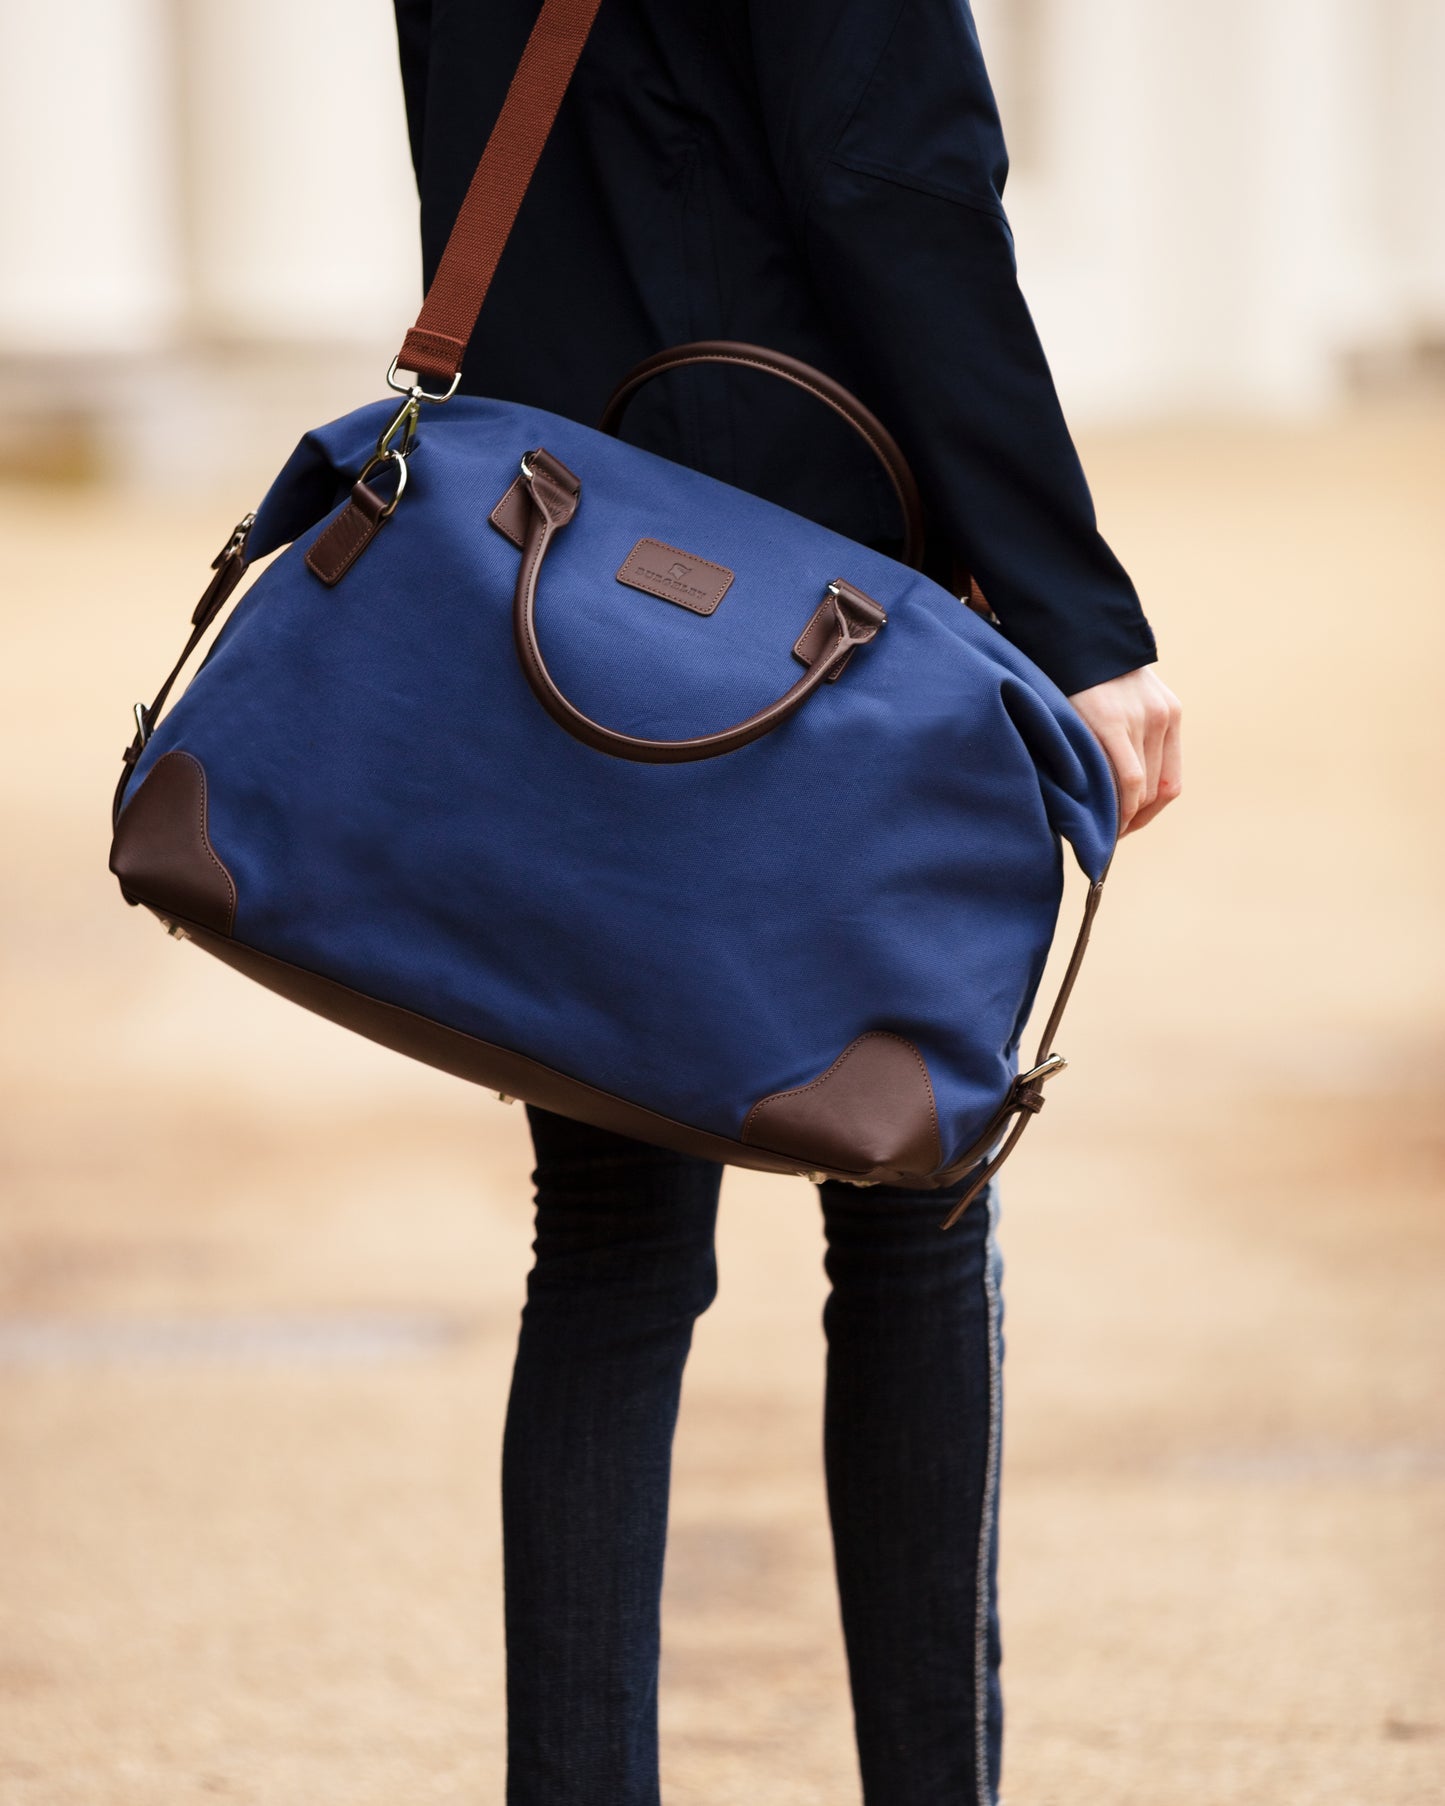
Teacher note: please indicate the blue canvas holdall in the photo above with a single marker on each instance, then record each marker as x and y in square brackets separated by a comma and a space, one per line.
[589, 778]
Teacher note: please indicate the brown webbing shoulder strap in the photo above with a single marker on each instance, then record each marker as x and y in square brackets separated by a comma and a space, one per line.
[435, 346]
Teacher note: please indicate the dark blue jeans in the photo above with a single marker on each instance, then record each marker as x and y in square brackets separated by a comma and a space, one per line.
[624, 1267]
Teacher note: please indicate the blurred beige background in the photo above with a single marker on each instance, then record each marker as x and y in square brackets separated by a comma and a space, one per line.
[259, 1282]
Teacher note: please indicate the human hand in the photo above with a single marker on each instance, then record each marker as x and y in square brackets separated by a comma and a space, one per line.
[1135, 718]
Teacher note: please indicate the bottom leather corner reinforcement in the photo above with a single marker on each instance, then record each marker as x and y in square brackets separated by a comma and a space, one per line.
[871, 1111]
[162, 852]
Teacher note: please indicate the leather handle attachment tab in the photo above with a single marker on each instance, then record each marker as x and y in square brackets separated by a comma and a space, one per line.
[554, 493]
[869, 428]
[435, 346]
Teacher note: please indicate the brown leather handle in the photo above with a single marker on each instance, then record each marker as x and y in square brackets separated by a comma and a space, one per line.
[792, 370]
[554, 493]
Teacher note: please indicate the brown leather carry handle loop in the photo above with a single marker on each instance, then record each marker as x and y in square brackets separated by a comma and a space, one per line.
[792, 370]
[554, 494]
[435, 346]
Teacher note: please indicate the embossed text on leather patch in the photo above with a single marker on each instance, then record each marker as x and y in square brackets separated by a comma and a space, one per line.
[676, 576]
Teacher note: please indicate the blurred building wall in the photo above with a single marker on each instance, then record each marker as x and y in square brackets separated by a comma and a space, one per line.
[1223, 207]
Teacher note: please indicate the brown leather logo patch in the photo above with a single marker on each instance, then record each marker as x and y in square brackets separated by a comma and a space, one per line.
[676, 576]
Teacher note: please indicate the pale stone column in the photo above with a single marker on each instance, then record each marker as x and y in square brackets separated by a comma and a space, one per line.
[1203, 215]
[1411, 169]
[301, 207]
[89, 262]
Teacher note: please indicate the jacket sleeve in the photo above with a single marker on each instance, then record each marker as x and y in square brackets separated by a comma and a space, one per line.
[887, 142]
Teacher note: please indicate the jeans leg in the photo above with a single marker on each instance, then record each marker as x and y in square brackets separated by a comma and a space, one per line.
[624, 1265]
[911, 1448]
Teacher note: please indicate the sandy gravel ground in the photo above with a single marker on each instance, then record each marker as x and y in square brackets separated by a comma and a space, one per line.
[260, 1282]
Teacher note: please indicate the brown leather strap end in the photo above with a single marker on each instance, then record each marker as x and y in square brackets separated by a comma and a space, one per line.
[335, 551]
[985, 1173]
[229, 572]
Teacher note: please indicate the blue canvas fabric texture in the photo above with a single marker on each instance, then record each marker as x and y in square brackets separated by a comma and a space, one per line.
[401, 815]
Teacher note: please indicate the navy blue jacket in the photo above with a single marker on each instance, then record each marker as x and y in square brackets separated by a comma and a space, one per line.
[820, 176]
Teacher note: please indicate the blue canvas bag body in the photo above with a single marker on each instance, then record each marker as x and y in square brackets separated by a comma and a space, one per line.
[602, 783]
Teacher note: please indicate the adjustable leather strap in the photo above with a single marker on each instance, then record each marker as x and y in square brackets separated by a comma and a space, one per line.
[436, 344]
[229, 564]
[1026, 1095]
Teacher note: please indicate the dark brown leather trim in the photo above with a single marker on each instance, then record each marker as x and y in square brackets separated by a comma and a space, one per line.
[229, 564]
[792, 370]
[512, 513]
[499, 1069]
[661, 570]
[333, 552]
[1026, 1095]
[815, 640]
[873, 1107]
[162, 852]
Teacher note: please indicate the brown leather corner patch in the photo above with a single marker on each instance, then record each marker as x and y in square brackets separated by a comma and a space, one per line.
[872, 1109]
[162, 851]
[675, 576]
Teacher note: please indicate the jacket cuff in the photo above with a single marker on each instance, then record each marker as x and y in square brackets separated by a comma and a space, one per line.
[1110, 649]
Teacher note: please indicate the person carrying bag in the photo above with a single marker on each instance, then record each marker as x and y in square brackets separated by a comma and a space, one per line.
[611, 733]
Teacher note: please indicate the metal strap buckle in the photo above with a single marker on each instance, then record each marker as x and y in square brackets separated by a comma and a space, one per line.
[415, 390]
[1045, 1069]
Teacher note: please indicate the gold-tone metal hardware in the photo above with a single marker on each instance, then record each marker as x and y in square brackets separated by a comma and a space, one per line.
[415, 390]
[176, 930]
[816, 1177]
[374, 463]
[403, 421]
[236, 543]
[505, 1098]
